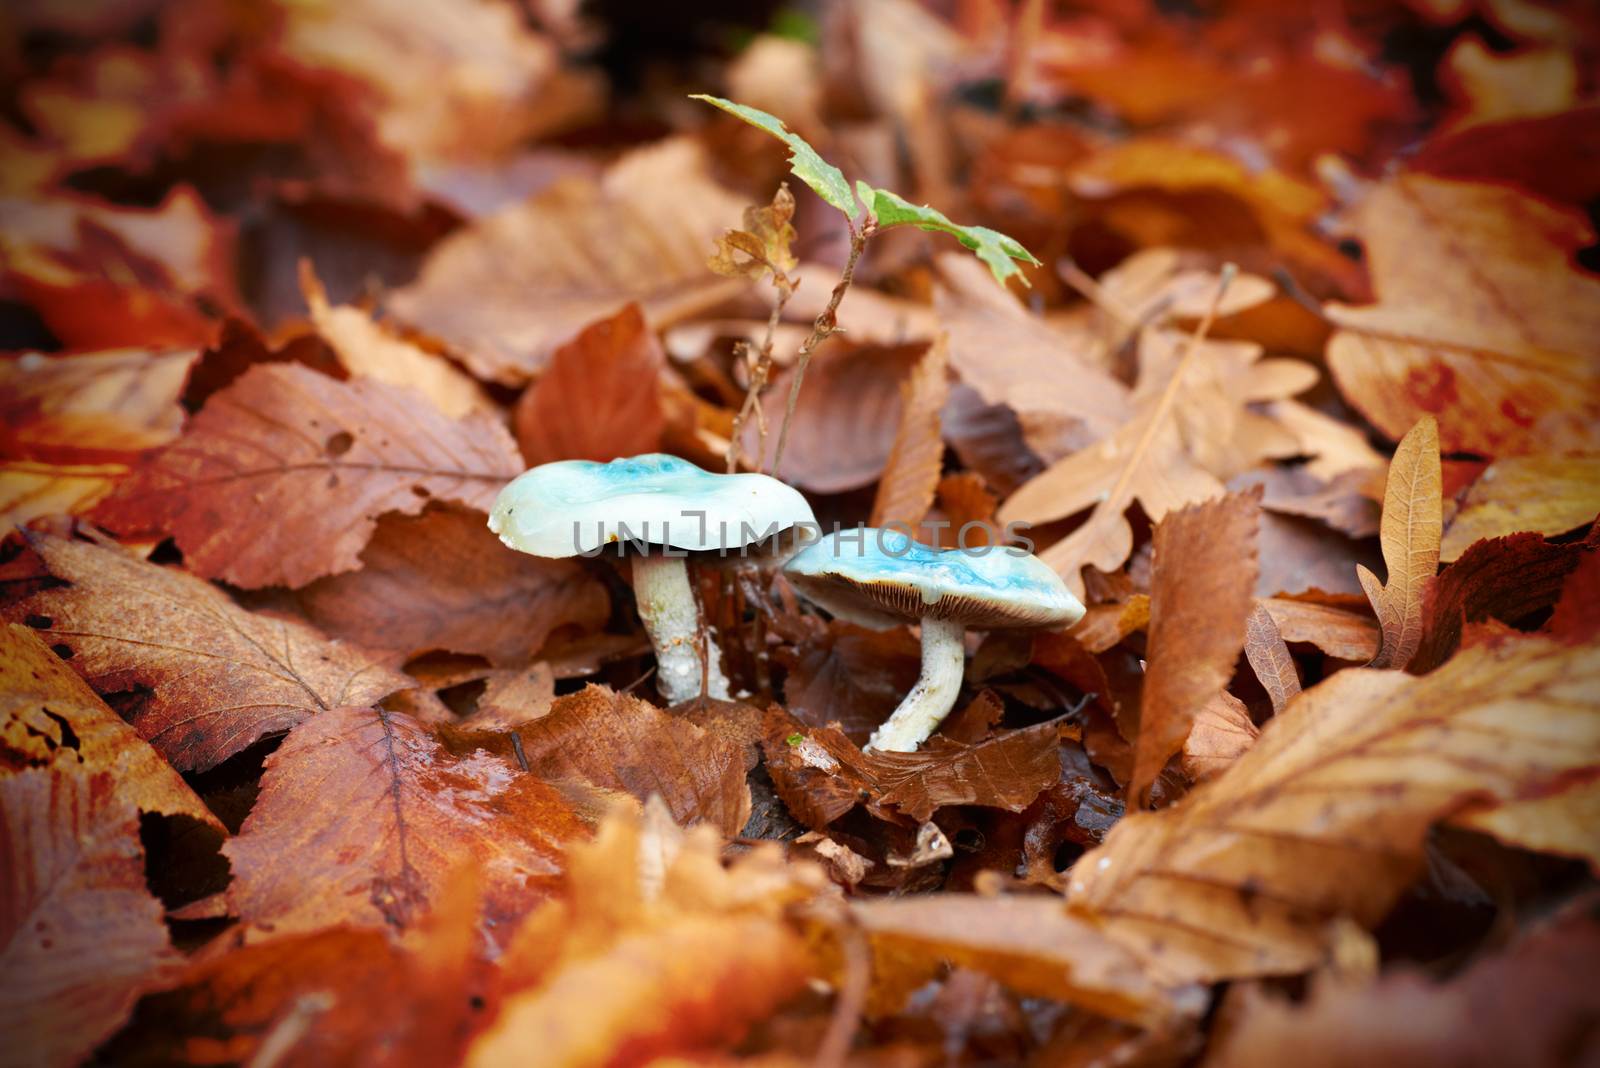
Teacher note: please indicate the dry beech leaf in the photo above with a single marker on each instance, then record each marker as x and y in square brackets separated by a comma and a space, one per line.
[1326, 814]
[423, 815]
[1063, 400]
[1529, 1004]
[619, 742]
[1506, 578]
[1269, 657]
[366, 348]
[1543, 494]
[1482, 319]
[80, 935]
[32, 490]
[598, 397]
[1221, 734]
[218, 677]
[911, 473]
[1410, 538]
[510, 288]
[1104, 625]
[303, 998]
[1200, 599]
[92, 406]
[50, 717]
[282, 476]
[1341, 634]
[441, 580]
[1032, 944]
[844, 422]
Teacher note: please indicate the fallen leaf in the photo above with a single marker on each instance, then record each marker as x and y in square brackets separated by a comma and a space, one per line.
[80, 936]
[966, 503]
[425, 815]
[511, 699]
[1200, 599]
[1524, 1005]
[1343, 785]
[441, 580]
[1221, 734]
[509, 289]
[367, 349]
[93, 406]
[597, 397]
[31, 490]
[1543, 494]
[1269, 657]
[851, 676]
[1345, 635]
[1577, 614]
[845, 419]
[280, 479]
[1481, 319]
[210, 677]
[1032, 944]
[1007, 771]
[1410, 537]
[1104, 625]
[620, 742]
[916, 459]
[52, 718]
[1560, 822]
[1506, 578]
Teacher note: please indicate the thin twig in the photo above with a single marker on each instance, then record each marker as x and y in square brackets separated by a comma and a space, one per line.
[758, 381]
[826, 325]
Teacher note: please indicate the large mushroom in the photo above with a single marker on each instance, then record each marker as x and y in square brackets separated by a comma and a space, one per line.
[656, 510]
[879, 577]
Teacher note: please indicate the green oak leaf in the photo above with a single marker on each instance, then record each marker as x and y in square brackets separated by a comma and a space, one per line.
[810, 168]
[991, 246]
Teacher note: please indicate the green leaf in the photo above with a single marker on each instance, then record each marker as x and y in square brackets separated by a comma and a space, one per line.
[822, 176]
[992, 247]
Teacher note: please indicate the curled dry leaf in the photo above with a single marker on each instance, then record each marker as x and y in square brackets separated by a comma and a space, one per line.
[441, 580]
[916, 459]
[1269, 657]
[424, 814]
[1482, 319]
[281, 477]
[210, 677]
[1325, 815]
[50, 717]
[1410, 538]
[1200, 599]
[1032, 944]
[1221, 734]
[1341, 634]
[1527, 1005]
[510, 288]
[1543, 494]
[91, 407]
[598, 398]
[619, 742]
[845, 419]
[80, 935]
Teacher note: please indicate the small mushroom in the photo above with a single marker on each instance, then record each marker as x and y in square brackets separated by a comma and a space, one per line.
[878, 578]
[656, 509]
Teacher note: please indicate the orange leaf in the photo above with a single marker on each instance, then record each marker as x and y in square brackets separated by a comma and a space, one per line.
[282, 476]
[1200, 597]
[1269, 657]
[1341, 634]
[1326, 814]
[91, 407]
[79, 932]
[911, 473]
[423, 814]
[1543, 494]
[1410, 539]
[32, 490]
[218, 677]
[1221, 734]
[598, 398]
[622, 743]
[442, 580]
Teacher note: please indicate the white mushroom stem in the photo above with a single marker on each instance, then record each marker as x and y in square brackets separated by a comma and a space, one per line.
[671, 618]
[930, 700]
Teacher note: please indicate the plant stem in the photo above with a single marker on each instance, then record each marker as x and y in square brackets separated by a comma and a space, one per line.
[758, 382]
[827, 323]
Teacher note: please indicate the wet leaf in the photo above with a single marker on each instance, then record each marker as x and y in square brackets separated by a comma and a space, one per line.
[281, 478]
[213, 678]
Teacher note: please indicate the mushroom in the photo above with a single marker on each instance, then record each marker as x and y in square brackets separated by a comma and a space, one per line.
[880, 577]
[655, 509]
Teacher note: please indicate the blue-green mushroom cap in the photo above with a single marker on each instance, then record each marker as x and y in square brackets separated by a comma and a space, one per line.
[574, 507]
[878, 577]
